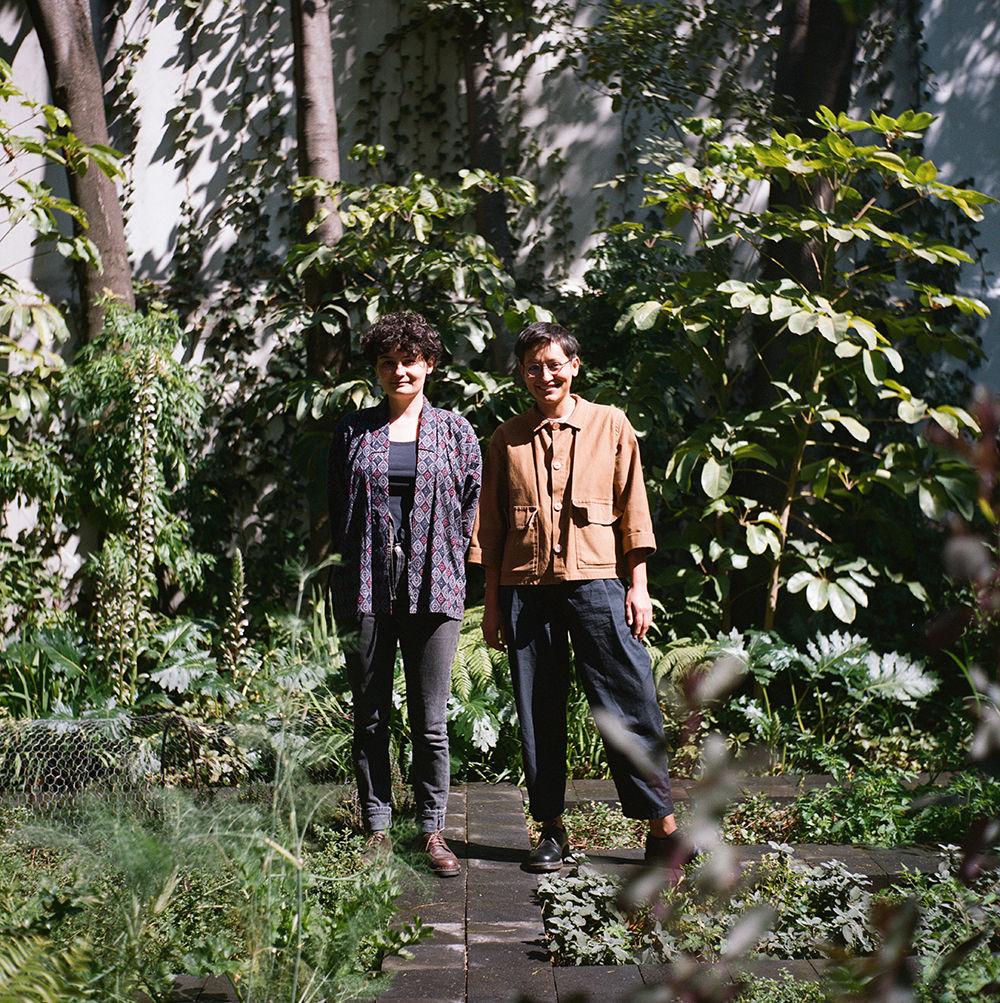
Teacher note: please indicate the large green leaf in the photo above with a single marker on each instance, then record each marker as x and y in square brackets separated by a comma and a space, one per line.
[716, 477]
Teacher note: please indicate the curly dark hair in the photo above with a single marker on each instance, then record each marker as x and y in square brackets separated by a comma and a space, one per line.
[543, 332]
[406, 332]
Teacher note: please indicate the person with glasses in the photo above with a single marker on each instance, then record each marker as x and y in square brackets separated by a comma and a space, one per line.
[404, 481]
[563, 518]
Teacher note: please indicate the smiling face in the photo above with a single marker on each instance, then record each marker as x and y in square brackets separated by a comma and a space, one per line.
[402, 374]
[548, 374]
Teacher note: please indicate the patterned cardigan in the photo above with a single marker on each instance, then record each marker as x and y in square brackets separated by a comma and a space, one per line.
[445, 495]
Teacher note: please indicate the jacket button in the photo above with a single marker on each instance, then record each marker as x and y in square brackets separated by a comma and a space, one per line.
[557, 506]
[557, 549]
[557, 465]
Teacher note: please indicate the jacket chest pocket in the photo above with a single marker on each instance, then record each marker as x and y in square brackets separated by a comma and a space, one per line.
[521, 547]
[593, 522]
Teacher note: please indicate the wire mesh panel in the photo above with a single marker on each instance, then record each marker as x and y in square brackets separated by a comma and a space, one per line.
[48, 764]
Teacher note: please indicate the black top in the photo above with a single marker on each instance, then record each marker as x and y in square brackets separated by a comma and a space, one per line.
[402, 474]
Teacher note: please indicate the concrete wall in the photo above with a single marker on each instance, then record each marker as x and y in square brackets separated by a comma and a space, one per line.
[963, 52]
[232, 74]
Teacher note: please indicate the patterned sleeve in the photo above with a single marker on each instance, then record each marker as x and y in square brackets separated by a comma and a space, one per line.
[472, 464]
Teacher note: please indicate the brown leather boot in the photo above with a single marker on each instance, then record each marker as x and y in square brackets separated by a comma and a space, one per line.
[377, 849]
[443, 862]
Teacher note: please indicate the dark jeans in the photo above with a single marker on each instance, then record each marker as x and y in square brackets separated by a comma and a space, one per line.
[427, 642]
[615, 671]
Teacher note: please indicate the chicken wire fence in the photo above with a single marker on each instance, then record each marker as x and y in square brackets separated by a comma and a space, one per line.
[51, 764]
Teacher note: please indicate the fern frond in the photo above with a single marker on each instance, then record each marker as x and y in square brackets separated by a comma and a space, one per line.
[678, 657]
[32, 970]
[461, 681]
[481, 666]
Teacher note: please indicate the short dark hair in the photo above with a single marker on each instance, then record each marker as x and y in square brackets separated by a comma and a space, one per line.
[405, 331]
[542, 332]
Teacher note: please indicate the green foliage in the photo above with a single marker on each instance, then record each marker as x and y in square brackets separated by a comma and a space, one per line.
[813, 905]
[799, 370]
[664, 57]
[137, 414]
[596, 824]
[882, 809]
[786, 989]
[44, 673]
[267, 893]
[838, 702]
[32, 970]
[412, 246]
[483, 737]
[955, 917]
[32, 474]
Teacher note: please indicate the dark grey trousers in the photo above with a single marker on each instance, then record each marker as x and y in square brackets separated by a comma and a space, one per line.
[427, 642]
[614, 669]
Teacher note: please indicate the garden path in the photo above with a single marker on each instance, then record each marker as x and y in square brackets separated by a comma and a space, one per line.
[488, 941]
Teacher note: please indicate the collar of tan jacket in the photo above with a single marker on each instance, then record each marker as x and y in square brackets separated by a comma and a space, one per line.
[577, 419]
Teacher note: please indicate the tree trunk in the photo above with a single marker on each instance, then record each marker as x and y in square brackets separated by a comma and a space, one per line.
[486, 153]
[485, 143]
[318, 157]
[814, 65]
[67, 41]
[816, 56]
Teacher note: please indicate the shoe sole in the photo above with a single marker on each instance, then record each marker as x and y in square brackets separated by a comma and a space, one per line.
[543, 868]
[449, 874]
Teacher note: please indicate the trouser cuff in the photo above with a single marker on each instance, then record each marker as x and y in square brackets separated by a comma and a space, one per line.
[379, 823]
[432, 822]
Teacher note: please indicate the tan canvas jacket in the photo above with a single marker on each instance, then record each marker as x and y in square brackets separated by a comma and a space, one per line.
[562, 501]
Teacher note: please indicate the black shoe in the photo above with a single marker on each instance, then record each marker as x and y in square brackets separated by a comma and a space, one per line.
[669, 853]
[548, 854]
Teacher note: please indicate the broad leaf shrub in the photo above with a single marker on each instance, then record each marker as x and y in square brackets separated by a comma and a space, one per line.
[34, 478]
[836, 703]
[412, 246]
[800, 461]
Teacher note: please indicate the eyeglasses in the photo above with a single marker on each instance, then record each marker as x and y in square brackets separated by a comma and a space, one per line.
[537, 368]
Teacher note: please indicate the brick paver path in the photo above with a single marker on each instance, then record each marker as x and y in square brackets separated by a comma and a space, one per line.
[488, 943]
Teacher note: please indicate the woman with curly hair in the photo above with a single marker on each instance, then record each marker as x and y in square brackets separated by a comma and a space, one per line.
[403, 486]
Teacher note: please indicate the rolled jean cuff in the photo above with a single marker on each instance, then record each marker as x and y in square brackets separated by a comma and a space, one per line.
[379, 822]
[432, 822]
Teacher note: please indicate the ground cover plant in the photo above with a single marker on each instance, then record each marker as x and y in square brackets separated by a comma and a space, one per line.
[883, 808]
[125, 894]
[813, 905]
[800, 911]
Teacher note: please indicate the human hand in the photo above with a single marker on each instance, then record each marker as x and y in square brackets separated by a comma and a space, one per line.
[638, 610]
[493, 633]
